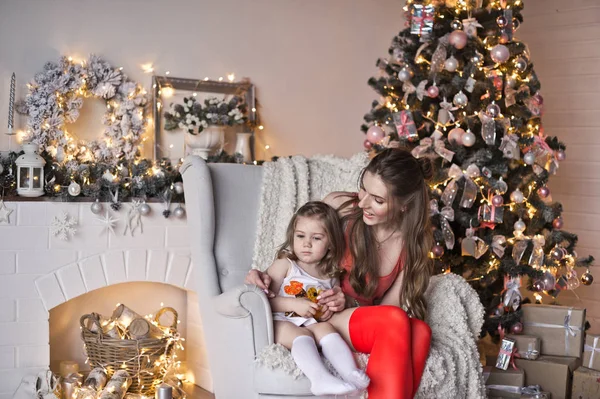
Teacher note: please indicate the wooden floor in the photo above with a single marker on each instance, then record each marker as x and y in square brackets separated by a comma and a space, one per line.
[195, 392]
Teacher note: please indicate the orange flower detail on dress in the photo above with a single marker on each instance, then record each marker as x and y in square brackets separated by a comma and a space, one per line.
[294, 288]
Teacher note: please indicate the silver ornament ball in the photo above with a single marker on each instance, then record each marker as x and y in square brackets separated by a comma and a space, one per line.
[500, 53]
[520, 225]
[460, 99]
[404, 75]
[96, 207]
[456, 24]
[560, 155]
[521, 64]
[451, 64]
[468, 139]
[477, 58]
[549, 281]
[493, 110]
[529, 158]
[145, 209]
[179, 212]
[74, 189]
[501, 186]
[517, 196]
[502, 21]
[178, 187]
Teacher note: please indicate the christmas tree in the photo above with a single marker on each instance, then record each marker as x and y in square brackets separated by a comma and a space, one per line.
[460, 88]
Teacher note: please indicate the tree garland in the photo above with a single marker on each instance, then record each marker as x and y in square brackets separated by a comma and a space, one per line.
[55, 97]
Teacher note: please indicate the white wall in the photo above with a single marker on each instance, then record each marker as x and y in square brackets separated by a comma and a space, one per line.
[310, 59]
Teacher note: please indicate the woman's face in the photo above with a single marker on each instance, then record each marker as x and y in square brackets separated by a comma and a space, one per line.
[374, 200]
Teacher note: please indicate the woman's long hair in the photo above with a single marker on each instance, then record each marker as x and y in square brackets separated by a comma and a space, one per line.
[405, 178]
[329, 265]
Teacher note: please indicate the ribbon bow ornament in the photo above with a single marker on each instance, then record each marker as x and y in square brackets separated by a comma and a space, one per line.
[512, 295]
[470, 26]
[544, 156]
[446, 215]
[421, 90]
[472, 245]
[536, 259]
[408, 88]
[434, 144]
[499, 245]
[510, 94]
[470, 190]
[445, 112]
[510, 146]
[439, 55]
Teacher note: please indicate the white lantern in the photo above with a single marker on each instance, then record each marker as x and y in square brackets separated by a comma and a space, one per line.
[30, 172]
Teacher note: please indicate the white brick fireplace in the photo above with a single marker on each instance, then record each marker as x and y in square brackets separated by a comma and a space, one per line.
[39, 272]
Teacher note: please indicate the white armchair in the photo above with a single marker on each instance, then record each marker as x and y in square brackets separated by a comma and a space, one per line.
[222, 202]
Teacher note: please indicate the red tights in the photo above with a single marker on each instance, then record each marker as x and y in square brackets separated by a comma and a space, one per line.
[398, 346]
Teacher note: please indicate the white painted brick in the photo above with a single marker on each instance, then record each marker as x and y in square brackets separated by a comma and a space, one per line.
[32, 214]
[136, 265]
[33, 356]
[93, 273]
[50, 291]
[88, 237]
[27, 238]
[71, 281]
[178, 270]
[18, 286]
[8, 310]
[152, 237]
[31, 310]
[178, 236]
[55, 208]
[12, 218]
[11, 379]
[157, 266]
[7, 357]
[44, 261]
[8, 262]
[25, 333]
[114, 264]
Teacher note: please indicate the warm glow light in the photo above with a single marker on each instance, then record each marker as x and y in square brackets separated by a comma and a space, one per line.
[148, 68]
[261, 127]
[168, 92]
[231, 77]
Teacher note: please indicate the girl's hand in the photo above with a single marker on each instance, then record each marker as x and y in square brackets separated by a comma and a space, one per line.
[305, 308]
[333, 298]
[325, 313]
[261, 280]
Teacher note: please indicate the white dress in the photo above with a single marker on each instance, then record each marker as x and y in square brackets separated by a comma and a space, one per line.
[300, 284]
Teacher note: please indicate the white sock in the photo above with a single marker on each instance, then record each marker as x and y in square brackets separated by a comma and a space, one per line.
[339, 354]
[306, 355]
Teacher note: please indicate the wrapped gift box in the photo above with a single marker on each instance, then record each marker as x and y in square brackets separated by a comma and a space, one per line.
[528, 346]
[591, 352]
[553, 374]
[560, 328]
[503, 383]
[586, 384]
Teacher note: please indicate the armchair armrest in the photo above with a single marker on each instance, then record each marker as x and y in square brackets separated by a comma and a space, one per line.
[248, 301]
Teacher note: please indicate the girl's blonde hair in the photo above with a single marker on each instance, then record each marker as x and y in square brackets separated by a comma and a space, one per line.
[329, 265]
[405, 178]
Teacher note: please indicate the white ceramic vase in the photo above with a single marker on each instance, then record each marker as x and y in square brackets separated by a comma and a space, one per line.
[242, 146]
[202, 144]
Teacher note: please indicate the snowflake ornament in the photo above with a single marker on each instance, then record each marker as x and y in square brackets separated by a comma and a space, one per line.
[63, 226]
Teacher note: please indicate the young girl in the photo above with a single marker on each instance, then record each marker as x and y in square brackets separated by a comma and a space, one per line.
[308, 263]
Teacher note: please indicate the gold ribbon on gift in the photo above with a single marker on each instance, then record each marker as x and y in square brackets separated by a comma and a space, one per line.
[592, 349]
[433, 144]
[569, 329]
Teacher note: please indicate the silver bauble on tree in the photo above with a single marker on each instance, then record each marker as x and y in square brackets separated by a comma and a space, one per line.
[529, 158]
[74, 189]
[460, 99]
[179, 212]
[145, 209]
[517, 196]
[96, 207]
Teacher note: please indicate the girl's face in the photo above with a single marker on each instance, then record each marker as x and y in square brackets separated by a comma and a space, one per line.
[310, 240]
[374, 200]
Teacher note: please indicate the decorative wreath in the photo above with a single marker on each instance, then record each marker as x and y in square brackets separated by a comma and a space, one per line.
[55, 97]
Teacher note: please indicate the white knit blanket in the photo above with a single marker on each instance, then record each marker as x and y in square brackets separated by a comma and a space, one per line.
[453, 370]
[291, 182]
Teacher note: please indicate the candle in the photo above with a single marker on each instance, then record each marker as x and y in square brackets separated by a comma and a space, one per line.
[11, 104]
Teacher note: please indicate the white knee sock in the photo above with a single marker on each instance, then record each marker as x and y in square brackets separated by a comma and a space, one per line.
[339, 354]
[306, 355]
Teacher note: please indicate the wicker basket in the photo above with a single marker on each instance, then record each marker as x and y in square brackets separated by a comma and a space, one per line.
[138, 357]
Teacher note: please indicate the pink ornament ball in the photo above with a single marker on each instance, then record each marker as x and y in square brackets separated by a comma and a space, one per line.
[368, 145]
[455, 135]
[500, 53]
[458, 39]
[561, 155]
[375, 134]
[433, 91]
[437, 251]
[516, 328]
[558, 223]
[497, 200]
[544, 192]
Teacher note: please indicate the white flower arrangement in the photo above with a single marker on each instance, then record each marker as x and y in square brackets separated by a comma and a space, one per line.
[194, 117]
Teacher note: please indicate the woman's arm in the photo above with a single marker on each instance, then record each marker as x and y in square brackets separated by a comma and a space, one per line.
[337, 199]
[392, 296]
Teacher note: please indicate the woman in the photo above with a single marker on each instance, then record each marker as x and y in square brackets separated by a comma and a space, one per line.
[386, 262]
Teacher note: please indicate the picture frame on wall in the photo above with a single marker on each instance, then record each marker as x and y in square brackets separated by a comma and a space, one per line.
[168, 90]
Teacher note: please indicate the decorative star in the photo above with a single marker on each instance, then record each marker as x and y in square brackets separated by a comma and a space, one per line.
[108, 223]
[4, 213]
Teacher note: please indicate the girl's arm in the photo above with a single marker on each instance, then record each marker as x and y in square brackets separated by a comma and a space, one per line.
[278, 271]
[392, 296]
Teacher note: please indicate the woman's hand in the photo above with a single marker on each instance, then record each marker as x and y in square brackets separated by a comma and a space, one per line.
[325, 313]
[333, 298]
[261, 280]
[305, 308]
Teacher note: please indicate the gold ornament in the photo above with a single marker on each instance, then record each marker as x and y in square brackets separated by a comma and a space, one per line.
[587, 278]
